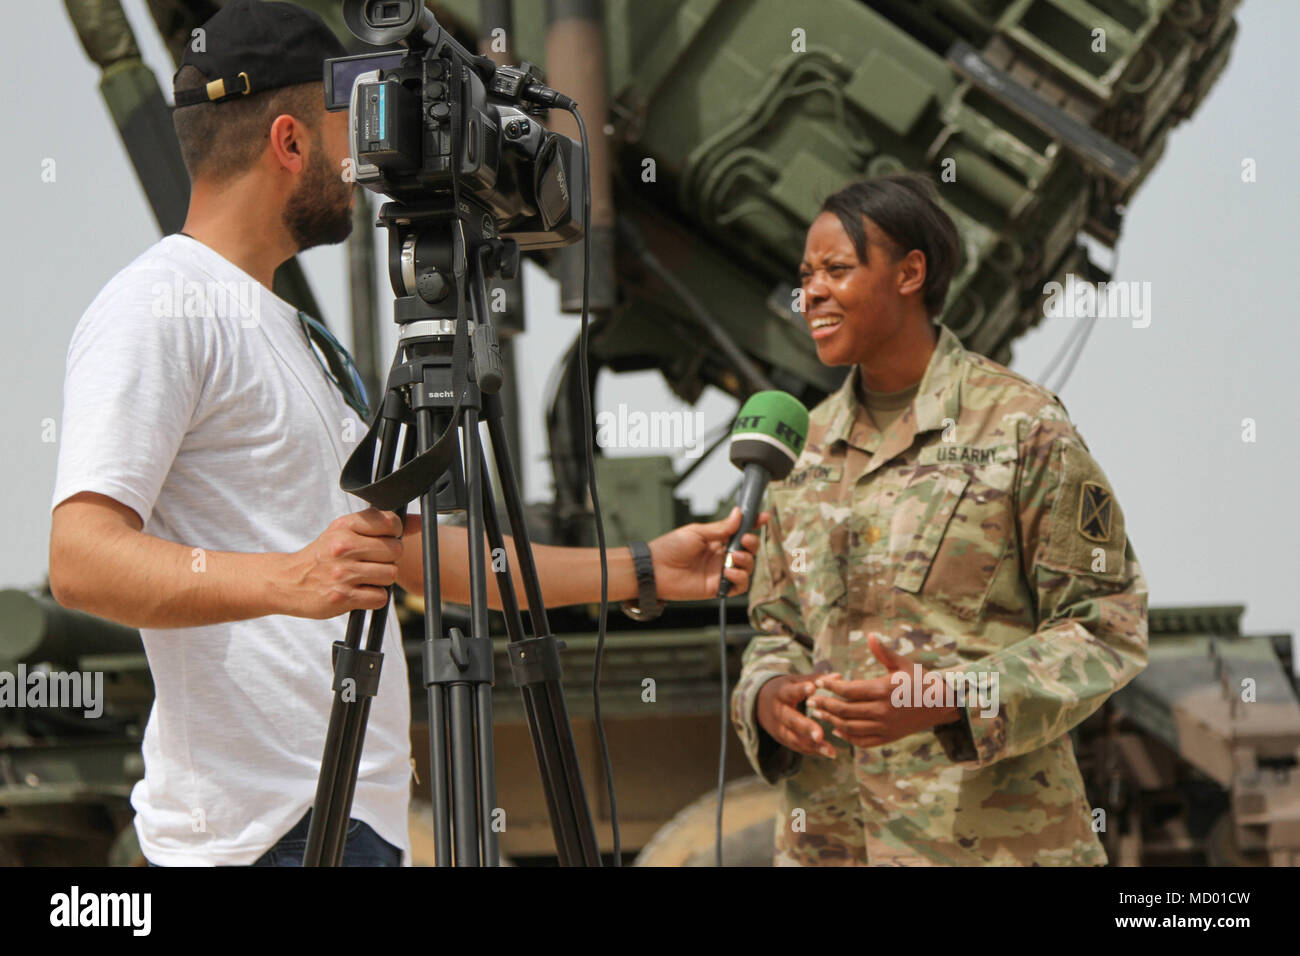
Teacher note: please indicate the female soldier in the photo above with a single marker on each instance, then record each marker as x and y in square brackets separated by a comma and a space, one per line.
[944, 588]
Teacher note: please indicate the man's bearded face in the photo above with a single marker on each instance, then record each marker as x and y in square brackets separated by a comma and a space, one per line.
[319, 210]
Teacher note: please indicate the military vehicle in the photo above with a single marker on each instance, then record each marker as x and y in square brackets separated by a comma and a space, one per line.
[725, 124]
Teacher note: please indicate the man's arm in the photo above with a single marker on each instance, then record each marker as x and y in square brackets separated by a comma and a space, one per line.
[687, 564]
[102, 563]
[565, 574]
[1091, 599]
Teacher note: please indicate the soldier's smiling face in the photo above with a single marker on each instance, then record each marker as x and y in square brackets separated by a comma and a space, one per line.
[852, 308]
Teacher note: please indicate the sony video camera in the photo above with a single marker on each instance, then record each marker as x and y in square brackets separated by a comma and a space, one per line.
[433, 114]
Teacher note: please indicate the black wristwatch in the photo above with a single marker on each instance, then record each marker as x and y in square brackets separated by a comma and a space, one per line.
[647, 605]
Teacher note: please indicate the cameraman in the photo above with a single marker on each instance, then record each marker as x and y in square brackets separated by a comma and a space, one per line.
[202, 440]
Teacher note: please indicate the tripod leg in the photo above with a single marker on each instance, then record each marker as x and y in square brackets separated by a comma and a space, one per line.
[515, 515]
[487, 774]
[336, 784]
[471, 795]
[557, 755]
[515, 628]
[347, 783]
[321, 830]
[464, 789]
[359, 717]
[439, 757]
[458, 673]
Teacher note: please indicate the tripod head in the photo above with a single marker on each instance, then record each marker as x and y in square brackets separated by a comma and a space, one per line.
[440, 255]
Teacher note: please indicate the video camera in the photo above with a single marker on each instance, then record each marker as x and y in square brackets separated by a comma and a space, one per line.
[435, 117]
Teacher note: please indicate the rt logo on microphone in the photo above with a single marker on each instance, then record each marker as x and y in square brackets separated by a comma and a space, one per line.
[789, 435]
[753, 423]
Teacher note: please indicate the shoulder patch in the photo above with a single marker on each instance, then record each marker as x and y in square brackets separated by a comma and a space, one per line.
[1086, 526]
[1095, 507]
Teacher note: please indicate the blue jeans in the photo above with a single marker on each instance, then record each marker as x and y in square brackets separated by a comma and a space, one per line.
[363, 847]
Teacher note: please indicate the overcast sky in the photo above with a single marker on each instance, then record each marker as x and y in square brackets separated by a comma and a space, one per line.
[1162, 407]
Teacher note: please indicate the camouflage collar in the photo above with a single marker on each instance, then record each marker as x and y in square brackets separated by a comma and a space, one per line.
[938, 397]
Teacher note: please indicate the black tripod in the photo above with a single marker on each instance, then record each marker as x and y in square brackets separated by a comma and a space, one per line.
[443, 383]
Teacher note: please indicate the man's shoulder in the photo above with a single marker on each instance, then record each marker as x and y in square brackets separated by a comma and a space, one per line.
[141, 278]
[146, 297]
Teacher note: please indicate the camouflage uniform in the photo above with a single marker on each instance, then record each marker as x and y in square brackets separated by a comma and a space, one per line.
[976, 533]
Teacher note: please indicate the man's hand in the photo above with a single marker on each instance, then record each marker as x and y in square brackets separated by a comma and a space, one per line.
[689, 559]
[350, 566]
[777, 710]
[867, 715]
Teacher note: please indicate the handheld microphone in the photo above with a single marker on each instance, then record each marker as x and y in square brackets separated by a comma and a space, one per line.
[765, 442]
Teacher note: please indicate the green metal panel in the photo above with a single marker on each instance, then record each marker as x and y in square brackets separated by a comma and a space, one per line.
[752, 112]
[636, 494]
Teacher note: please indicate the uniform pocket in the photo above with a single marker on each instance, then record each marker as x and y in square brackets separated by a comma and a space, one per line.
[922, 512]
[957, 523]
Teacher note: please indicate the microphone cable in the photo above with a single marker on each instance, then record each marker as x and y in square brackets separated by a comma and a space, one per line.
[590, 447]
[726, 708]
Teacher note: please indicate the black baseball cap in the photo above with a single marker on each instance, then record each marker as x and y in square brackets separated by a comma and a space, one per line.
[250, 46]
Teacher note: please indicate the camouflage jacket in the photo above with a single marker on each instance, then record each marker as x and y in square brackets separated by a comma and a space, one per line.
[975, 534]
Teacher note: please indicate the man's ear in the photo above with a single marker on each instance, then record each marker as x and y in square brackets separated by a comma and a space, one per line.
[290, 141]
[911, 272]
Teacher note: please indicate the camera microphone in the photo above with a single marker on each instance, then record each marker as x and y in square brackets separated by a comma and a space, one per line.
[765, 442]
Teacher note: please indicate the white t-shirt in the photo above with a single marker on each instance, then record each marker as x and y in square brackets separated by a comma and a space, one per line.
[193, 397]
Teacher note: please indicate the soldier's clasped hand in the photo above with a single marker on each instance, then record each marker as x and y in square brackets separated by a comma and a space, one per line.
[873, 712]
[778, 711]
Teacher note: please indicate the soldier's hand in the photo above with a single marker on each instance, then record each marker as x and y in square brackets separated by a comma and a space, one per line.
[778, 712]
[881, 710]
[350, 566]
